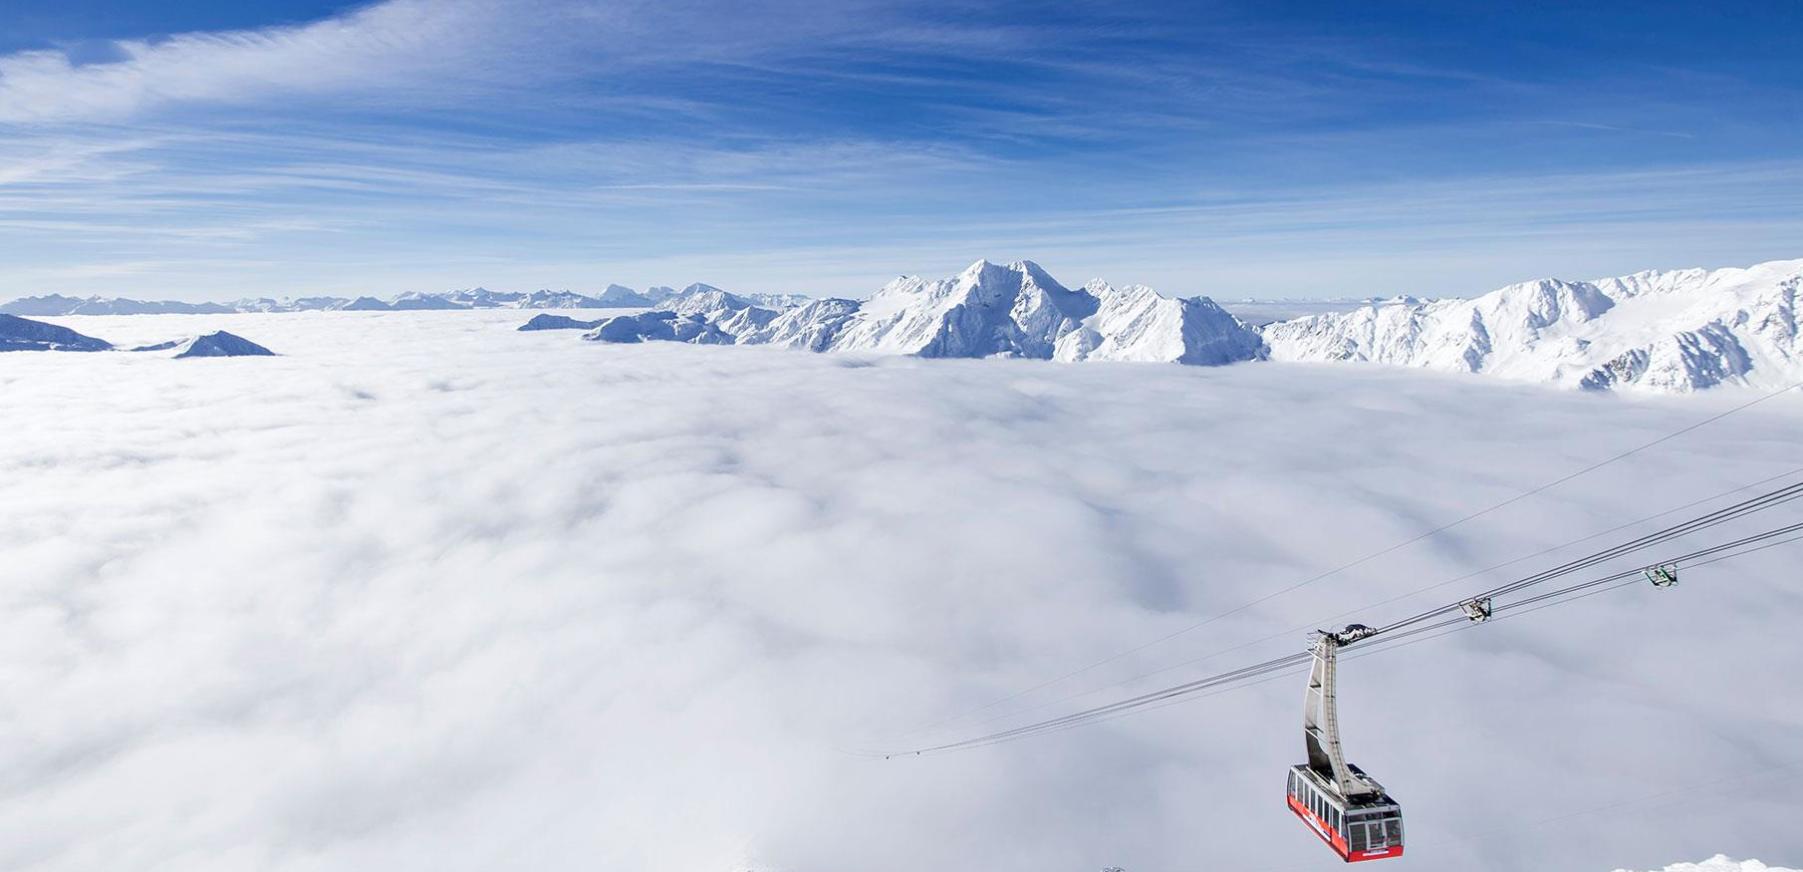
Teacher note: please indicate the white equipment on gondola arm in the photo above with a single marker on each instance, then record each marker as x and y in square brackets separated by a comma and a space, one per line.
[1342, 805]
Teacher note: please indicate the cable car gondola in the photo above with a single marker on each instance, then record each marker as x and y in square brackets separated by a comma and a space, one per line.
[1340, 803]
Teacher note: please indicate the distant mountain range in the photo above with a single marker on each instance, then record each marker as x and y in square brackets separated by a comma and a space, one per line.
[1660, 331]
[1665, 332]
[615, 297]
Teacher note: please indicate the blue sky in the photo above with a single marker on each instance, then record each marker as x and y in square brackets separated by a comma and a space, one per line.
[214, 149]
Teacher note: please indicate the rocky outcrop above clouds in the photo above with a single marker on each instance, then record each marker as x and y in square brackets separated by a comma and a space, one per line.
[24, 334]
[216, 344]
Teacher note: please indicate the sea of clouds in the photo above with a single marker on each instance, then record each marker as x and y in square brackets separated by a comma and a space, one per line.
[427, 593]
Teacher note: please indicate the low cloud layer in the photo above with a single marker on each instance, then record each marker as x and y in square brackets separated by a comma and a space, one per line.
[427, 593]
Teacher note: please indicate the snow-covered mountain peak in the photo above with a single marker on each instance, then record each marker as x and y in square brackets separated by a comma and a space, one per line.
[1136, 323]
[1543, 303]
[703, 299]
[978, 268]
[1009, 276]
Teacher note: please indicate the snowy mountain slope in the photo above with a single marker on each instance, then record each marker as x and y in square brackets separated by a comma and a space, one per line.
[1672, 331]
[810, 327]
[24, 334]
[988, 310]
[1136, 324]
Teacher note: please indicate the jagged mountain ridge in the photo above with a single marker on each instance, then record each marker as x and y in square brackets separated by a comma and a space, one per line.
[1662, 331]
[988, 310]
[614, 297]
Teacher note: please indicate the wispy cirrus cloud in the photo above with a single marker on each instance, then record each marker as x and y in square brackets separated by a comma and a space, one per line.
[381, 46]
[432, 51]
[606, 138]
[380, 215]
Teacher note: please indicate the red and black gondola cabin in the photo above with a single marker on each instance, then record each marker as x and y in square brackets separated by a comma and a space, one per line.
[1366, 828]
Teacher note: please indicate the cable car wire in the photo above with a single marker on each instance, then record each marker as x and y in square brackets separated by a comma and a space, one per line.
[1721, 516]
[1537, 489]
[946, 723]
[1387, 639]
[1285, 667]
[1404, 632]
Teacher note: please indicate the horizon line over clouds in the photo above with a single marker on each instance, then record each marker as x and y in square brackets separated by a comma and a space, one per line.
[786, 146]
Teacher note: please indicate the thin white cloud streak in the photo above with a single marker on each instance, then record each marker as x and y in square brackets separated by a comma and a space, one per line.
[379, 46]
[427, 593]
[748, 217]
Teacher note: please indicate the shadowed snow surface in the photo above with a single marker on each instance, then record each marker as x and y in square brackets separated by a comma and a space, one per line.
[427, 593]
